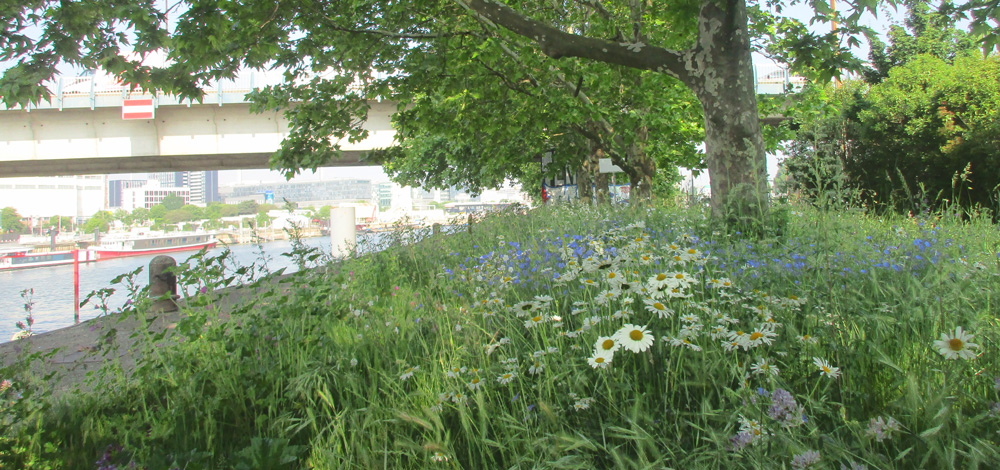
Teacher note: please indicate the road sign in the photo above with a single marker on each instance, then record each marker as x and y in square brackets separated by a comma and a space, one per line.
[138, 109]
[269, 197]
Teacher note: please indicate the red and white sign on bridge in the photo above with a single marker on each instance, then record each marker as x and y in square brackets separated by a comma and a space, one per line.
[138, 109]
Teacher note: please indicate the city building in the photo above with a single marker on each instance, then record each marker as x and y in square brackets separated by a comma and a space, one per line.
[151, 194]
[383, 195]
[115, 188]
[204, 185]
[74, 196]
[315, 193]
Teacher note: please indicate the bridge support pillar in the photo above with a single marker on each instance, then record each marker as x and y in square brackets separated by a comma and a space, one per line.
[343, 232]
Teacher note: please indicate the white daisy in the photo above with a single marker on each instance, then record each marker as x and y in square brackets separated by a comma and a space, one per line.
[958, 345]
[634, 338]
[600, 360]
[826, 369]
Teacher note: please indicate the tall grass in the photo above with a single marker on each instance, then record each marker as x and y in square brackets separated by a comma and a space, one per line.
[471, 351]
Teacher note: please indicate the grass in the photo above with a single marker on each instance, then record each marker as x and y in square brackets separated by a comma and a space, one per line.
[476, 351]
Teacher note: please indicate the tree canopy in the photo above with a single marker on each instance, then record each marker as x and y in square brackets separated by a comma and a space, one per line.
[492, 85]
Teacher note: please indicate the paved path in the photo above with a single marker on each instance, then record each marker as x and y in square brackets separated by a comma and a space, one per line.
[70, 353]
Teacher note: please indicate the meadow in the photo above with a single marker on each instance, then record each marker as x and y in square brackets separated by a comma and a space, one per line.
[564, 338]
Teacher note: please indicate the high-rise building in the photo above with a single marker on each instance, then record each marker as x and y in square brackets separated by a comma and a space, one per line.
[204, 185]
[151, 194]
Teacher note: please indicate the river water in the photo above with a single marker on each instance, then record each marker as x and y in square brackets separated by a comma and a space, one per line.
[53, 286]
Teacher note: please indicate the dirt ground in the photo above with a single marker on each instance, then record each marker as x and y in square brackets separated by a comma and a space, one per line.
[70, 353]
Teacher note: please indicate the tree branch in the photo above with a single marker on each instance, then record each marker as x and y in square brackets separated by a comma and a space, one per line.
[390, 34]
[556, 43]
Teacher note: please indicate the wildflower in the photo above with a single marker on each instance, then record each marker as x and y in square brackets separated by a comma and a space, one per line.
[807, 339]
[762, 335]
[805, 459]
[606, 344]
[583, 404]
[536, 368]
[958, 345]
[5, 385]
[525, 308]
[506, 377]
[784, 409]
[763, 367]
[681, 341]
[438, 457]
[475, 383]
[456, 371]
[826, 369]
[752, 427]
[354, 362]
[880, 428]
[600, 360]
[408, 373]
[634, 338]
[535, 321]
[741, 440]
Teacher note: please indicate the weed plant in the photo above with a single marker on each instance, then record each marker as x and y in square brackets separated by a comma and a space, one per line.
[564, 338]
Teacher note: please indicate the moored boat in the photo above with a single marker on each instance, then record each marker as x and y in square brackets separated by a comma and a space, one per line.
[26, 257]
[118, 247]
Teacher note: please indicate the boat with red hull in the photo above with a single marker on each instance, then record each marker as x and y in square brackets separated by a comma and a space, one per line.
[112, 247]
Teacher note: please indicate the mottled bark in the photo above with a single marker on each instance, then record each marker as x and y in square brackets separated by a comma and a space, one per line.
[601, 180]
[585, 183]
[734, 148]
[643, 169]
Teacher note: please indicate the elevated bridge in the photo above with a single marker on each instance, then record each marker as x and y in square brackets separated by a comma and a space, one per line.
[80, 130]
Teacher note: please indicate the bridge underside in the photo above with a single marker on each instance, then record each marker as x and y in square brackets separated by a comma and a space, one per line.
[154, 163]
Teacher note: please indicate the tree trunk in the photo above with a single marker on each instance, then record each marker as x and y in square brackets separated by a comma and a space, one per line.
[600, 179]
[585, 183]
[734, 148]
[643, 170]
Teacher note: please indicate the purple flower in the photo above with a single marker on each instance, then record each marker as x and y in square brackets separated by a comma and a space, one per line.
[805, 459]
[784, 409]
[741, 440]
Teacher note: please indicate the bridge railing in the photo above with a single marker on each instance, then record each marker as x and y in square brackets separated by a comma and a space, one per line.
[102, 90]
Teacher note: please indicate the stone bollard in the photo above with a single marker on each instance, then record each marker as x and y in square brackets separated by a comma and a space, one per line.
[162, 281]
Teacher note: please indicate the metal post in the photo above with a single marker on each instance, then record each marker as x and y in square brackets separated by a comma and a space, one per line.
[76, 286]
[163, 281]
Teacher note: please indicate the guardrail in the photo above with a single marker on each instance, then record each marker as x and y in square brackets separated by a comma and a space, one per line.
[103, 90]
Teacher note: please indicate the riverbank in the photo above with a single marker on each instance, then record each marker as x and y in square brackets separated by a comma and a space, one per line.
[64, 358]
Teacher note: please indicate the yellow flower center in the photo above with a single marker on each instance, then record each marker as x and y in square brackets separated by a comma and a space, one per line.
[793, 297]
[536, 318]
[661, 276]
[756, 335]
[956, 344]
[692, 251]
[607, 344]
[475, 381]
[679, 276]
[659, 306]
[599, 360]
[806, 337]
[611, 275]
[826, 369]
[636, 335]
